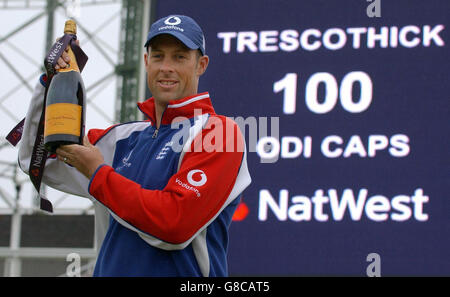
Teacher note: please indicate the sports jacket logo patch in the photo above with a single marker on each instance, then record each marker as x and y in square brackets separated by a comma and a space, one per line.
[163, 152]
[125, 162]
[195, 178]
[198, 182]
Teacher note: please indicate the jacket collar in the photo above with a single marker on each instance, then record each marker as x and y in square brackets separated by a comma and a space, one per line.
[187, 107]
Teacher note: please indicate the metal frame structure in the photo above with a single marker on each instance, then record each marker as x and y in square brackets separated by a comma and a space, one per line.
[128, 73]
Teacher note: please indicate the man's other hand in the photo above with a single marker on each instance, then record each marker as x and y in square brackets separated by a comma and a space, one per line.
[85, 158]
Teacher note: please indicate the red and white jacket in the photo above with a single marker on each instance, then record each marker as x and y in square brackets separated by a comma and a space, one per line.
[170, 192]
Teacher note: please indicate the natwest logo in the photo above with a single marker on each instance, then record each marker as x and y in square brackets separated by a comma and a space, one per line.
[334, 206]
[241, 212]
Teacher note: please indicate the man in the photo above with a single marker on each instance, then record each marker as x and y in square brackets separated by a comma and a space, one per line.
[168, 185]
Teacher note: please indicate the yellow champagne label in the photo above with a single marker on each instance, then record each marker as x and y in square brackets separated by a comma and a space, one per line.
[62, 118]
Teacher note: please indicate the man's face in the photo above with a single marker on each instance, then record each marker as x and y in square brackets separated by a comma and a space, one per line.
[173, 70]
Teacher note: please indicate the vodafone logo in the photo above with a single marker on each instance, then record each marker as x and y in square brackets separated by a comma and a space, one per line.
[197, 180]
[172, 21]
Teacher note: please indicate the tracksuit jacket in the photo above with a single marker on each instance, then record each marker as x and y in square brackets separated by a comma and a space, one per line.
[164, 198]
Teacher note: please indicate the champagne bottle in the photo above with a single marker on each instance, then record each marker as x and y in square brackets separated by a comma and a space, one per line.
[65, 105]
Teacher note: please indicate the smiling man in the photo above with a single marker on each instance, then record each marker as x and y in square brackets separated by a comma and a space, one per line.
[160, 211]
[173, 70]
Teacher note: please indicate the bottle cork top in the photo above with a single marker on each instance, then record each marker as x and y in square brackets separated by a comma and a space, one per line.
[70, 27]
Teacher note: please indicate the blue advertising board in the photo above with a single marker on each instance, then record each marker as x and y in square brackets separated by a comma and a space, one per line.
[345, 110]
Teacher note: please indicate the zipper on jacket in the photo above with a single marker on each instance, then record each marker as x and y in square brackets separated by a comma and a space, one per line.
[155, 133]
